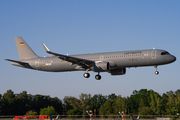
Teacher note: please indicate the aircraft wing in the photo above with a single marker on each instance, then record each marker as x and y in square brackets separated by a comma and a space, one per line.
[81, 62]
[16, 61]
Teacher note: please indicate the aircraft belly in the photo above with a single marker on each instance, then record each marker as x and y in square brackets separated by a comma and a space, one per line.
[132, 62]
[58, 67]
[126, 62]
[32, 65]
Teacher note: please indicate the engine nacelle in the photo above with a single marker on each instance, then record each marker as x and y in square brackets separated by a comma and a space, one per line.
[101, 67]
[120, 71]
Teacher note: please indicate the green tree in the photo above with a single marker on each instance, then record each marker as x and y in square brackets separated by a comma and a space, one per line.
[107, 108]
[119, 104]
[112, 96]
[155, 103]
[143, 98]
[145, 111]
[159, 106]
[178, 103]
[41, 101]
[98, 100]
[75, 111]
[8, 103]
[133, 102]
[86, 102]
[171, 105]
[24, 101]
[139, 99]
[164, 101]
[0, 104]
[67, 104]
[177, 92]
[57, 104]
[30, 112]
[71, 103]
[48, 111]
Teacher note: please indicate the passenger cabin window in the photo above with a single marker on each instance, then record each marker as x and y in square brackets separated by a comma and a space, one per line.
[164, 53]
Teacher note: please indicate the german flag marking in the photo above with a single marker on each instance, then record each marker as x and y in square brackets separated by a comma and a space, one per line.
[22, 43]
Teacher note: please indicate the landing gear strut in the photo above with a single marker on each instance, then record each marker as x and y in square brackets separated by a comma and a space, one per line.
[86, 74]
[98, 77]
[156, 72]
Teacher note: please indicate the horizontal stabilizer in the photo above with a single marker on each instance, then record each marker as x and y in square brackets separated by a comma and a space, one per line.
[16, 61]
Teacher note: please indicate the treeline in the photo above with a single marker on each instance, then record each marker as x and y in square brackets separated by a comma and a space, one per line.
[144, 102]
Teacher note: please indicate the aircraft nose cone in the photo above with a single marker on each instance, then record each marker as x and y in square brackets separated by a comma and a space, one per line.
[173, 58]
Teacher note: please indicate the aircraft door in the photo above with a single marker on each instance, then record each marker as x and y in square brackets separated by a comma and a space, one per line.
[153, 54]
[37, 63]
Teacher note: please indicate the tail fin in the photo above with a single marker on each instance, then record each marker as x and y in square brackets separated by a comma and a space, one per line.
[24, 51]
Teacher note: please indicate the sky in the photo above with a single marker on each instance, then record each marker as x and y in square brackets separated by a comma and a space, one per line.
[89, 26]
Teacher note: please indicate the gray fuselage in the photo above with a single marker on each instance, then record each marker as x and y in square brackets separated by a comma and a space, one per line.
[124, 59]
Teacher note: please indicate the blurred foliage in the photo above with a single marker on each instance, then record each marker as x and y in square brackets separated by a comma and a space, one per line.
[48, 111]
[144, 102]
[30, 112]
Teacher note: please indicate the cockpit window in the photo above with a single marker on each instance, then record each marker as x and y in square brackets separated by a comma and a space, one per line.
[164, 53]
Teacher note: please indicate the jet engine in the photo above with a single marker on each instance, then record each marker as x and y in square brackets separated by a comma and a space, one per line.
[101, 67]
[120, 71]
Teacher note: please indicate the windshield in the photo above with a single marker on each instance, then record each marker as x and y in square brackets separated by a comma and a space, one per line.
[165, 53]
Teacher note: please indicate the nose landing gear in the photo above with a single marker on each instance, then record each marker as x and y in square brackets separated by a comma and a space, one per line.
[156, 72]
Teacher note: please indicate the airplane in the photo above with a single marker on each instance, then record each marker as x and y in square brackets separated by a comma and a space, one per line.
[114, 63]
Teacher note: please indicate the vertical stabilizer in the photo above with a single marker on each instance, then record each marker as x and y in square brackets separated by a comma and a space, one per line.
[24, 51]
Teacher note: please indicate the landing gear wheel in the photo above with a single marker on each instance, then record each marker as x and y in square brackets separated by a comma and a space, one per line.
[156, 72]
[98, 77]
[86, 75]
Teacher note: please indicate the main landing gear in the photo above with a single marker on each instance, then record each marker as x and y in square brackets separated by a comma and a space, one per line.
[98, 77]
[87, 75]
[156, 72]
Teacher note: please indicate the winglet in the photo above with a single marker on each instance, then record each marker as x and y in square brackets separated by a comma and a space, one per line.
[45, 47]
